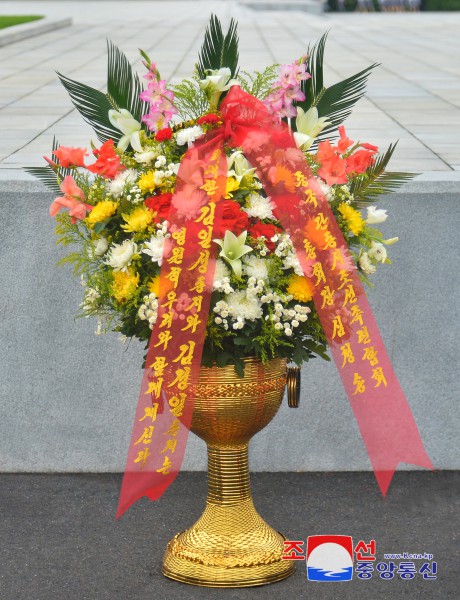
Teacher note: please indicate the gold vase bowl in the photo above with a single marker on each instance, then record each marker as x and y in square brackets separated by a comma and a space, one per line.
[231, 545]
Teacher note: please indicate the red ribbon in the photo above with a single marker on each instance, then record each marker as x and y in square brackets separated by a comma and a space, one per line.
[166, 402]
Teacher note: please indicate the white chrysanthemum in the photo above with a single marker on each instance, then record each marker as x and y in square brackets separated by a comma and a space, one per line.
[121, 255]
[154, 248]
[189, 135]
[148, 311]
[145, 158]
[290, 261]
[259, 207]
[256, 267]
[221, 271]
[366, 264]
[117, 185]
[242, 307]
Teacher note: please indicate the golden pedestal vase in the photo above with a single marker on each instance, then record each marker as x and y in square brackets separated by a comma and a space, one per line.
[231, 545]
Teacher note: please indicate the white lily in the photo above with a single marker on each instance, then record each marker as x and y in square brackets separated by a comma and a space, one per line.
[127, 124]
[309, 126]
[233, 248]
[375, 215]
[216, 82]
[238, 166]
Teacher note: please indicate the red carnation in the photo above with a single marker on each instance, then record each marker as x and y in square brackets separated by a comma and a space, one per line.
[211, 119]
[265, 230]
[232, 218]
[108, 163]
[160, 205]
[164, 134]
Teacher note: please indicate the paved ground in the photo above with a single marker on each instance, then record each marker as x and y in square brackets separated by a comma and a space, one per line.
[414, 96]
[59, 539]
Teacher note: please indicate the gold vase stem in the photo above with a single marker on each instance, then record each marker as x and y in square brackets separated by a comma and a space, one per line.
[228, 474]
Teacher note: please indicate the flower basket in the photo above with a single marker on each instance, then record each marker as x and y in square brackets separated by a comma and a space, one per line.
[220, 221]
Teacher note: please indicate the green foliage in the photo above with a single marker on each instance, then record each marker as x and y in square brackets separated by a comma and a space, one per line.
[442, 5]
[218, 51]
[123, 92]
[50, 177]
[124, 86]
[189, 99]
[337, 101]
[376, 181]
[259, 84]
[10, 20]
[94, 106]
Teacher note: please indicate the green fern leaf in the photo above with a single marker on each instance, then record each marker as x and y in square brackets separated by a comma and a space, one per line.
[218, 51]
[189, 99]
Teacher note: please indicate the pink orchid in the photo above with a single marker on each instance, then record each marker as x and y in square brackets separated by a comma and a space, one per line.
[73, 199]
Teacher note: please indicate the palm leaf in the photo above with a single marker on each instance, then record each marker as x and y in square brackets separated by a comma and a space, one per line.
[313, 87]
[337, 101]
[376, 181]
[49, 177]
[218, 51]
[94, 107]
[124, 86]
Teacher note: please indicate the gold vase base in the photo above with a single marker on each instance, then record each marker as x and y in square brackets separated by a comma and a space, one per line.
[229, 546]
[216, 577]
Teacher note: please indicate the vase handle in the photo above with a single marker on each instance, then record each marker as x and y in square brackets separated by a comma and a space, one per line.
[293, 386]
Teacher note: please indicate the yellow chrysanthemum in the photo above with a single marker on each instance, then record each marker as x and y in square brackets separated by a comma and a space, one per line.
[138, 220]
[301, 288]
[101, 212]
[146, 182]
[124, 285]
[232, 185]
[154, 286]
[353, 218]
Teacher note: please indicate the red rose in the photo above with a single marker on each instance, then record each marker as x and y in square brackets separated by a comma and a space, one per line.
[160, 205]
[360, 161]
[108, 162]
[233, 219]
[164, 134]
[267, 231]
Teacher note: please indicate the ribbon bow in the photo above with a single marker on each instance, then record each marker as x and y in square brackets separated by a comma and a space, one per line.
[173, 361]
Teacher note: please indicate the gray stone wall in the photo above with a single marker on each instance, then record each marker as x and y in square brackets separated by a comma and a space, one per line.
[67, 397]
